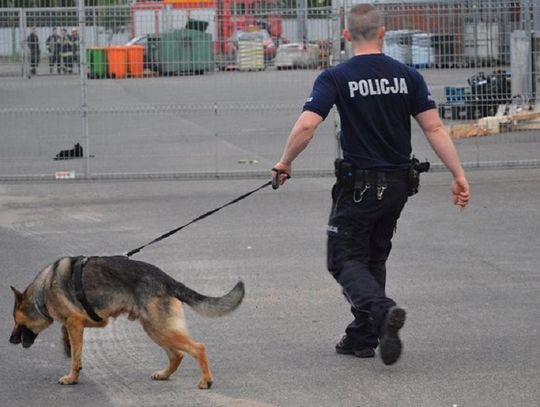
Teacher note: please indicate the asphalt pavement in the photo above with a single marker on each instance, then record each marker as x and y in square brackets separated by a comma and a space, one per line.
[469, 281]
[212, 124]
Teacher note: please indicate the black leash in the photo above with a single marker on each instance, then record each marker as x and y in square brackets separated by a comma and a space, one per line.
[172, 232]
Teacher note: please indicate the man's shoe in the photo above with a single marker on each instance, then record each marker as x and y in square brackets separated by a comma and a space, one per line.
[347, 347]
[365, 352]
[390, 346]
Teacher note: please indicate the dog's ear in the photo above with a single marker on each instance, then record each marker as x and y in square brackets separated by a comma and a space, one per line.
[18, 294]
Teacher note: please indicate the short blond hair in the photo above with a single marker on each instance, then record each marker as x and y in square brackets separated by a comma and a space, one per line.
[363, 22]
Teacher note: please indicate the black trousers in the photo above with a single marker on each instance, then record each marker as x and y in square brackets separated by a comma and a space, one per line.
[359, 242]
[54, 59]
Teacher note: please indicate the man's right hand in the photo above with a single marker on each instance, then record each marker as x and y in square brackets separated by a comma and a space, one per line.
[283, 172]
[461, 191]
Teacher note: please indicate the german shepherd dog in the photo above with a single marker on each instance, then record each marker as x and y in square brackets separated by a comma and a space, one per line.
[114, 286]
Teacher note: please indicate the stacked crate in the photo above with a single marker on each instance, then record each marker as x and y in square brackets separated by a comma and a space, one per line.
[250, 56]
[455, 107]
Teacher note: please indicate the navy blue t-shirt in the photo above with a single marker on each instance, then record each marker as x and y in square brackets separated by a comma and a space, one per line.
[376, 97]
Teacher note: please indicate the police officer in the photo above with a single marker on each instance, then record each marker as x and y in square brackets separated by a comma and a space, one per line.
[375, 96]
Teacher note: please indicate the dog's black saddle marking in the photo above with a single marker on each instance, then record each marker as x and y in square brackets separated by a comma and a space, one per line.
[79, 290]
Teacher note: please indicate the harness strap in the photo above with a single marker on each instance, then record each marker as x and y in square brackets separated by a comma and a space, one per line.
[42, 310]
[79, 290]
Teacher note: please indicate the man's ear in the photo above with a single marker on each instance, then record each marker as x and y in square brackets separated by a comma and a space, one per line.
[18, 294]
[382, 31]
[347, 35]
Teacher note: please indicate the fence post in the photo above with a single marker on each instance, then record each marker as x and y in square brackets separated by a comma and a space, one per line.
[301, 16]
[25, 69]
[82, 73]
[536, 17]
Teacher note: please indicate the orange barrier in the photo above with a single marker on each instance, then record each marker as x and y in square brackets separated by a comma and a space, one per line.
[116, 61]
[135, 61]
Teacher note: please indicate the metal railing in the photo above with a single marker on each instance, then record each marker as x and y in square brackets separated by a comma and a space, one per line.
[200, 92]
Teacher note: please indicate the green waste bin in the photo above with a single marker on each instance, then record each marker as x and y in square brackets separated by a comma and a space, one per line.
[185, 51]
[96, 63]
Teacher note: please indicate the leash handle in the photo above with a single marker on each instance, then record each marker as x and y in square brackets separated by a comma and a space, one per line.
[275, 177]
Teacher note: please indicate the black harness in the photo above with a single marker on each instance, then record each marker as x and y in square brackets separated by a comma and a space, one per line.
[42, 310]
[79, 290]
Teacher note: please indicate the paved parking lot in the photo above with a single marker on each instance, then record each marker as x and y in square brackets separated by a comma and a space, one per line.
[169, 125]
[469, 281]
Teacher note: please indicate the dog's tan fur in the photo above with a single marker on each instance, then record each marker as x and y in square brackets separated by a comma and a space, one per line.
[160, 312]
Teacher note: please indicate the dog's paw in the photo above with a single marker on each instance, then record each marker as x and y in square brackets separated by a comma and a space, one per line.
[204, 384]
[160, 375]
[67, 380]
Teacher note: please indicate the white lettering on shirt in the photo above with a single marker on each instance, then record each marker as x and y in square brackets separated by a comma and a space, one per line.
[353, 86]
[403, 86]
[383, 86]
[364, 89]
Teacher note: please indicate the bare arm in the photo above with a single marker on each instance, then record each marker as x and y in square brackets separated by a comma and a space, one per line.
[443, 146]
[299, 138]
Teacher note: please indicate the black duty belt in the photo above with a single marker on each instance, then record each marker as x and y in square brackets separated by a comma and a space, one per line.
[360, 181]
[373, 176]
[79, 290]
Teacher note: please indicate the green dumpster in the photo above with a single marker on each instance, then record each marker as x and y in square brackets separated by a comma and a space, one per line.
[96, 63]
[185, 51]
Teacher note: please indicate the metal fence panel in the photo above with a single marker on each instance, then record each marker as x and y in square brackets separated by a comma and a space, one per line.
[214, 89]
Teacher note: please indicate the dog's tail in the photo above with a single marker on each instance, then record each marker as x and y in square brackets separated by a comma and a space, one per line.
[211, 306]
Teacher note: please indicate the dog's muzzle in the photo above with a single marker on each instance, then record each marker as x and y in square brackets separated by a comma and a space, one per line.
[24, 335]
[16, 335]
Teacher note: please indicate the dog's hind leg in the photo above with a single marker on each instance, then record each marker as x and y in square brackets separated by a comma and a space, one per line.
[153, 325]
[75, 330]
[182, 341]
[175, 358]
[165, 324]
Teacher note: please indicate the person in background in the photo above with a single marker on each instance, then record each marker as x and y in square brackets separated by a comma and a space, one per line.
[33, 45]
[54, 47]
[66, 52]
[376, 96]
[76, 48]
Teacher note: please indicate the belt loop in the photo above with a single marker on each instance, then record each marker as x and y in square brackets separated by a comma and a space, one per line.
[381, 185]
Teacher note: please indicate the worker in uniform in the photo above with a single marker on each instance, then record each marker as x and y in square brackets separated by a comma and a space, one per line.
[376, 97]
[66, 52]
[54, 47]
[76, 48]
[33, 45]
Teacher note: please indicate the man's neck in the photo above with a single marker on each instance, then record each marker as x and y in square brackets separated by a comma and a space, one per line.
[366, 49]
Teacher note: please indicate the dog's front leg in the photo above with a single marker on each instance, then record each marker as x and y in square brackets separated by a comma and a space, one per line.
[75, 331]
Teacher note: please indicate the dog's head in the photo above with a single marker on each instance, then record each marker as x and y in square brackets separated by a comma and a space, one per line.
[28, 321]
